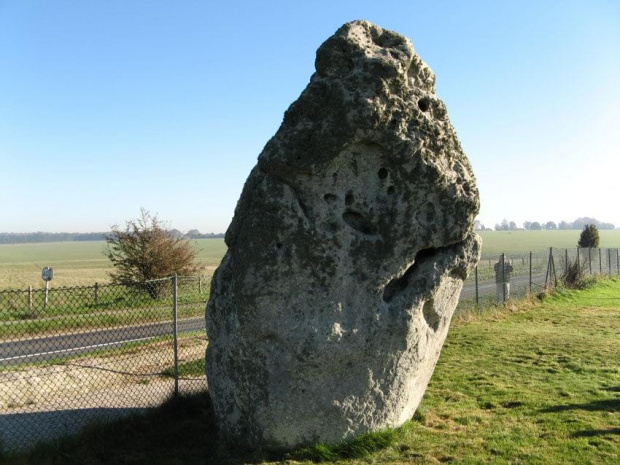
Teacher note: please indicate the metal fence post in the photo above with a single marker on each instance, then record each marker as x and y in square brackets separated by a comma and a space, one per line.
[199, 284]
[530, 273]
[29, 297]
[566, 262]
[175, 334]
[590, 259]
[609, 260]
[476, 273]
[96, 293]
[617, 261]
[503, 279]
[551, 270]
[600, 262]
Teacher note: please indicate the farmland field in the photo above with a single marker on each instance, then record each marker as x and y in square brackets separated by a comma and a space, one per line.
[83, 263]
[496, 242]
[77, 263]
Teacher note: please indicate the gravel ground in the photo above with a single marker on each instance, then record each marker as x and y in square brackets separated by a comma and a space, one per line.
[48, 401]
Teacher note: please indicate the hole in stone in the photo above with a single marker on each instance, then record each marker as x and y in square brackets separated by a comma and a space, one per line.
[330, 198]
[279, 245]
[335, 176]
[424, 104]
[349, 199]
[430, 315]
[358, 222]
[397, 285]
[383, 173]
[391, 190]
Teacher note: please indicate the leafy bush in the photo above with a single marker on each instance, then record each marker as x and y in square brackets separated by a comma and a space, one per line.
[146, 251]
[575, 275]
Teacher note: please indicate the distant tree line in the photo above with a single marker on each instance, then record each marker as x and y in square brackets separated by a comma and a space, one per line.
[578, 224]
[27, 238]
[195, 234]
[31, 238]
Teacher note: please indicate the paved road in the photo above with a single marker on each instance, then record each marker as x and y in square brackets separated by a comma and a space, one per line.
[64, 345]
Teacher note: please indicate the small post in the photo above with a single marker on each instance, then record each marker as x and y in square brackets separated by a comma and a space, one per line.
[199, 284]
[609, 261]
[590, 259]
[96, 293]
[503, 279]
[47, 274]
[175, 333]
[30, 297]
[530, 273]
[565, 262]
[600, 262]
[47, 288]
[476, 273]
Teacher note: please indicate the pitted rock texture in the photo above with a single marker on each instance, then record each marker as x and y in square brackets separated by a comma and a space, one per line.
[347, 253]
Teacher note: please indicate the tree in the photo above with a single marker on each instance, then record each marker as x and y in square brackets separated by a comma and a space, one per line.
[589, 236]
[144, 250]
[549, 225]
[535, 226]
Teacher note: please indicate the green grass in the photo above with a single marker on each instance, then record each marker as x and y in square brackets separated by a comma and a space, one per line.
[77, 308]
[535, 383]
[109, 319]
[76, 263]
[187, 369]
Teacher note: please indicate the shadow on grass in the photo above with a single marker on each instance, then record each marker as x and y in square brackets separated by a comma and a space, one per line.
[612, 389]
[181, 431]
[595, 432]
[608, 405]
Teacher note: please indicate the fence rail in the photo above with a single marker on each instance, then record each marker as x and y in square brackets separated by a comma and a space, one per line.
[97, 352]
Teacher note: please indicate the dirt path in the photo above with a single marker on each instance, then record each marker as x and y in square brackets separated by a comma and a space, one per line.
[48, 401]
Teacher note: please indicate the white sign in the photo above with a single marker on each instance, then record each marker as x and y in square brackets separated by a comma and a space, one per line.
[48, 273]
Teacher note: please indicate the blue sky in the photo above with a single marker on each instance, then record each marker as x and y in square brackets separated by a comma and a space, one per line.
[109, 106]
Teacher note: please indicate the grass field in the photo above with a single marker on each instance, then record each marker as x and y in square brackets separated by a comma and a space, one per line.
[83, 263]
[496, 242]
[537, 384]
[77, 263]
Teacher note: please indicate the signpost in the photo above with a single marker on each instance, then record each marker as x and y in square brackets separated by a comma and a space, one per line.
[47, 274]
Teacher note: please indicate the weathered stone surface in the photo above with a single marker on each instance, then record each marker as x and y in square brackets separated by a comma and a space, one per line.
[347, 253]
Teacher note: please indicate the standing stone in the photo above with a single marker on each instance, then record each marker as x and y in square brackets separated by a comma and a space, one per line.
[347, 253]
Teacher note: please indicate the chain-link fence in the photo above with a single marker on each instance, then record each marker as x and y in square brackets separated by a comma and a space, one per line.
[499, 278]
[69, 356]
[72, 355]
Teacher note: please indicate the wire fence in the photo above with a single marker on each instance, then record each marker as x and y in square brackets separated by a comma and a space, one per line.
[500, 278]
[69, 356]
